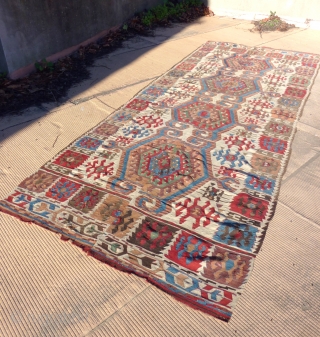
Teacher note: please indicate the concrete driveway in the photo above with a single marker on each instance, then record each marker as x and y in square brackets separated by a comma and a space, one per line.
[51, 288]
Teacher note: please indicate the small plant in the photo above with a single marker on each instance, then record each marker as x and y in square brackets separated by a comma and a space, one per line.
[44, 65]
[169, 10]
[161, 12]
[147, 18]
[193, 3]
[271, 23]
[3, 75]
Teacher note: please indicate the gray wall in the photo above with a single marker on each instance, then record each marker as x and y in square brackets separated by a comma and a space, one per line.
[3, 62]
[34, 29]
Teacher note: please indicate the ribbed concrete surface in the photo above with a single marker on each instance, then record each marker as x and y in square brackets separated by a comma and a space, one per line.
[51, 288]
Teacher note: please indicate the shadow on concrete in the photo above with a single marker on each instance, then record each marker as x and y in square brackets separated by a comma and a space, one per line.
[103, 67]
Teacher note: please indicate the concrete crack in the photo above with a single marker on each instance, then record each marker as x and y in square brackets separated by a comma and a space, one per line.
[115, 313]
[54, 143]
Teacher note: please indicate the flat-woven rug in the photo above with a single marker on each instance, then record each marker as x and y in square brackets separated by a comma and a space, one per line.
[179, 185]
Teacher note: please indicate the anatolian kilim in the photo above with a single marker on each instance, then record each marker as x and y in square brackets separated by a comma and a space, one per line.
[179, 185]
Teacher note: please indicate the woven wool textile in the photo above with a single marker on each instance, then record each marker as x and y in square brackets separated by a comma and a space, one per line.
[179, 185]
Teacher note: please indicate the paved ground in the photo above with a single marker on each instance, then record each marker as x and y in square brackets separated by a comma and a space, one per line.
[51, 288]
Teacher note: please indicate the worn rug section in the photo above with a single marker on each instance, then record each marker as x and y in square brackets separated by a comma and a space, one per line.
[179, 185]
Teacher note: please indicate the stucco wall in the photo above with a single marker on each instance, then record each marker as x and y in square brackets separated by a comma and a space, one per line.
[34, 29]
[294, 11]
